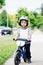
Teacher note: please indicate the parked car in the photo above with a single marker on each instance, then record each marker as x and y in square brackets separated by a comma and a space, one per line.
[6, 30]
[1, 28]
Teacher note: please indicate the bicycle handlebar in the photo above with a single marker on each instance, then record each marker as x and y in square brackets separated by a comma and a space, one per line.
[22, 39]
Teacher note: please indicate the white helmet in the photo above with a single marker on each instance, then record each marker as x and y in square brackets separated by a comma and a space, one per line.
[23, 18]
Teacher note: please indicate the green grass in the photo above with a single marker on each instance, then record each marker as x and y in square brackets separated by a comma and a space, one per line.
[7, 47]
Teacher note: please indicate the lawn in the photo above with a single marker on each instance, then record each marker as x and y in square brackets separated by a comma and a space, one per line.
[7, 47]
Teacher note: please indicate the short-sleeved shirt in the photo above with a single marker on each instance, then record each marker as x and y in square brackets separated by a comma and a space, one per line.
[24, 33]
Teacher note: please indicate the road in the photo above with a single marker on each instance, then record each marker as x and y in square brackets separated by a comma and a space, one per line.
[36, 51]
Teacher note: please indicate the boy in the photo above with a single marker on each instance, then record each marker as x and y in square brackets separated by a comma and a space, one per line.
[25, 33]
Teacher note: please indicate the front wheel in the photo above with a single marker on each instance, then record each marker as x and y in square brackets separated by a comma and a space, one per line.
[16, 62]
[17, 58]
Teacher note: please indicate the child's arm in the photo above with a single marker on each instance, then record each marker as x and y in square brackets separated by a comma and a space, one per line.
[17, 35]
[29, 34]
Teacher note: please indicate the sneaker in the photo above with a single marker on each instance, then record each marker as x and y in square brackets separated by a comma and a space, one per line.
[28, 60]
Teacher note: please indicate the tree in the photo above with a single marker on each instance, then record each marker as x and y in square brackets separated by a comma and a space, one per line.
[4, 18]
[35, 19]
[13, 18]
[40, 21]
[10, 23]
[2, 3]
[21, 12]
[42, 9]
[3, 21]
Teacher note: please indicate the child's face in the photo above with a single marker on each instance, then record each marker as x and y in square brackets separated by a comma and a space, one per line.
[23, 23]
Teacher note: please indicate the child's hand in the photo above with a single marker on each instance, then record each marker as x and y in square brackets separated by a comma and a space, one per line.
[29, 40]
[14, 39]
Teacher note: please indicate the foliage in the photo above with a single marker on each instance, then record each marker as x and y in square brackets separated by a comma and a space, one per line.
[12, 18]
[3, 19]
[2, 3]
[21, 12]
[35, 19]
[41, 9]
[10, 23]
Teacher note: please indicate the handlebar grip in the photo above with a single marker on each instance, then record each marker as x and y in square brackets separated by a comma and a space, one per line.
[13, 38]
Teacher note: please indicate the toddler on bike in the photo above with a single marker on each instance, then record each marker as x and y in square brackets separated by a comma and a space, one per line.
[25, 33]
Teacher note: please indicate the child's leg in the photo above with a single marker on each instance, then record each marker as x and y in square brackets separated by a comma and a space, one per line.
[28, 53]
